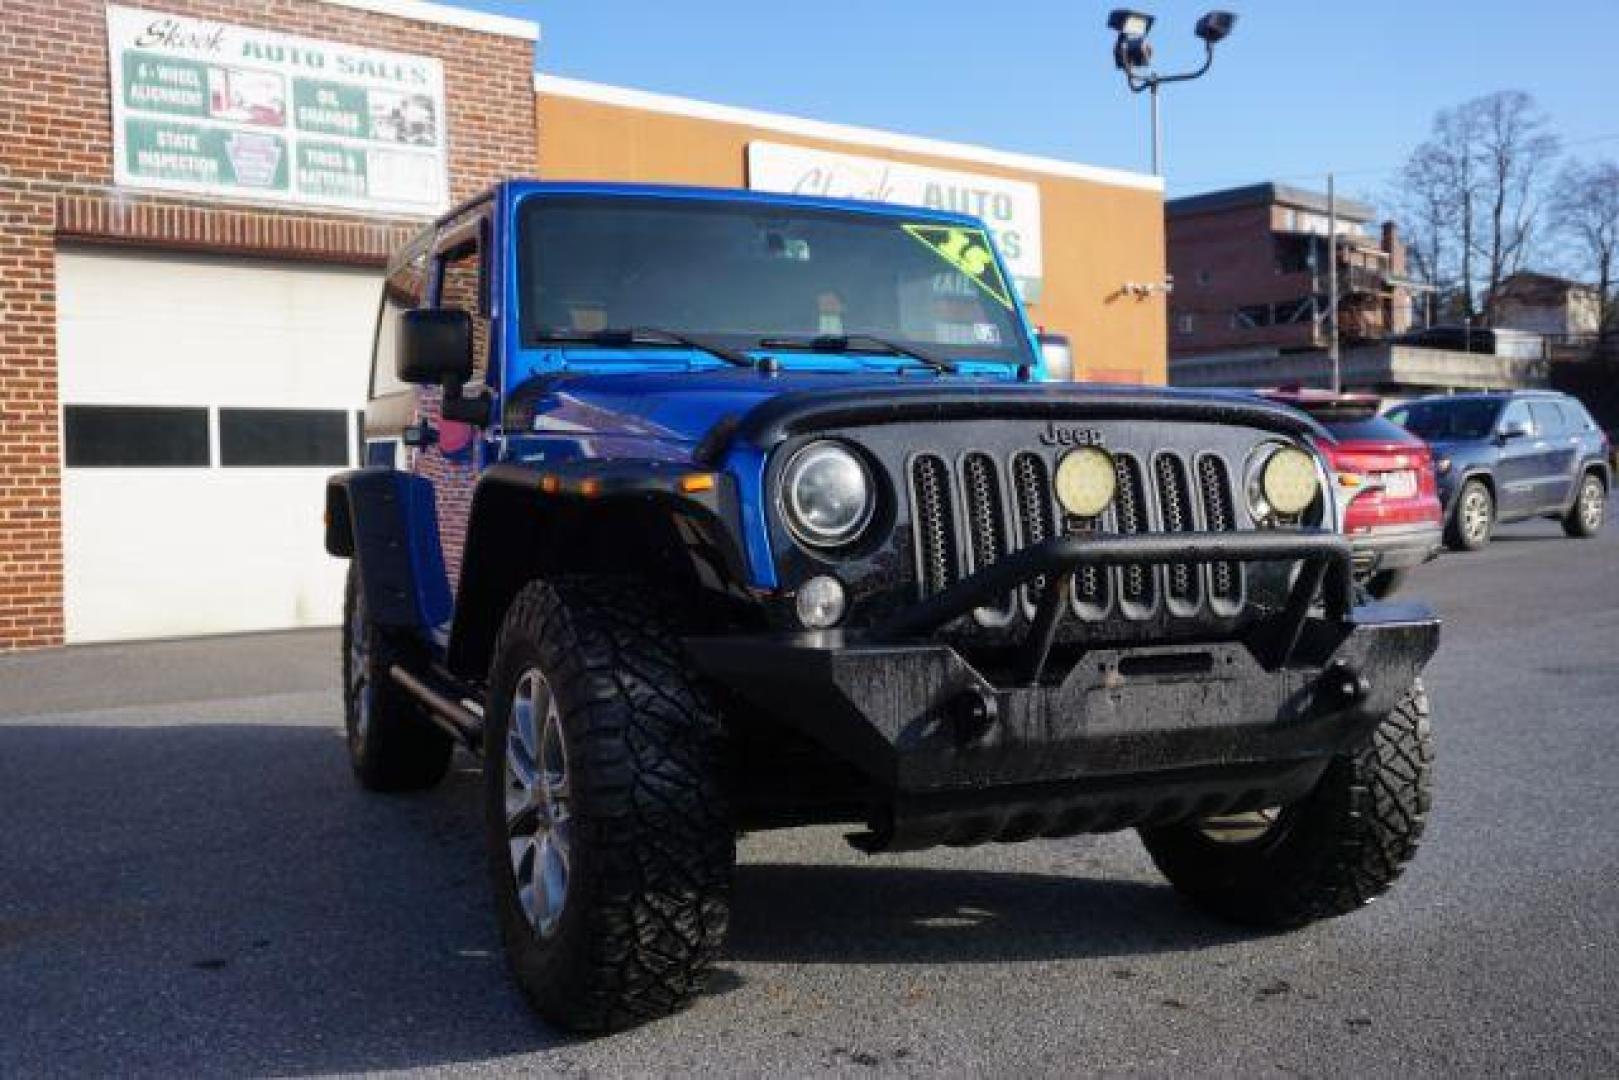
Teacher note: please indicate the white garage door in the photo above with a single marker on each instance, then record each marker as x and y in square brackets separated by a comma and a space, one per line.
[204, 403]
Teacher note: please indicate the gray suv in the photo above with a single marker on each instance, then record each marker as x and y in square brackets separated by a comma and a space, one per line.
[1508, 457]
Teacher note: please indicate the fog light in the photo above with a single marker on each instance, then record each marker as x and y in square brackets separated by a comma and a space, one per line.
[1086, 481]
[1289, 481]
[820, 602]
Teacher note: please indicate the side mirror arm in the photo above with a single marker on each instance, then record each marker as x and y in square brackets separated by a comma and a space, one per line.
[462, 407]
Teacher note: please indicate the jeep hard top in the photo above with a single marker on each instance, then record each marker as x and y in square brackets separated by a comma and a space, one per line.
[695, 512]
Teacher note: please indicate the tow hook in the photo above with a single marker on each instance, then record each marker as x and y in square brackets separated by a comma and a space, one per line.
[973, 713]
[1341, 686]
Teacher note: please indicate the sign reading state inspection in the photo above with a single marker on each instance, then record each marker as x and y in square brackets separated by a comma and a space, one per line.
[216, 109]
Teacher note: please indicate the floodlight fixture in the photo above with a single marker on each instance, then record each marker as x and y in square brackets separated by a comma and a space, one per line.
[1216, 26]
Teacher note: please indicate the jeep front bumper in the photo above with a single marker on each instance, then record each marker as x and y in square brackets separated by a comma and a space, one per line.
[1128, 733]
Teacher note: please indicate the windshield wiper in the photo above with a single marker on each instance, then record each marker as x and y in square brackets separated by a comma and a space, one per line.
[843, 343]
[623, 337]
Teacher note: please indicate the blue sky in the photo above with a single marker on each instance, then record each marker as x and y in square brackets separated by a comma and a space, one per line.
[1301, 87]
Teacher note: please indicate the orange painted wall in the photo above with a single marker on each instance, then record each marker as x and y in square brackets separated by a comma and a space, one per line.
[1096, 236]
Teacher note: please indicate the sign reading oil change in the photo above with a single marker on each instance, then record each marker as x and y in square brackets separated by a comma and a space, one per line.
[217, 109]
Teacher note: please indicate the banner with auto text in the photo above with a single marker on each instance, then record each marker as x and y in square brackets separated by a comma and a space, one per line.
[211, 108]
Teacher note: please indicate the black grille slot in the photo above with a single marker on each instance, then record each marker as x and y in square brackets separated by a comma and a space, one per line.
[986, 517]
[1031, 487]
[1090, 582]
[1130, 511]
[1176, 515]
[1214, 483]
[935, 524]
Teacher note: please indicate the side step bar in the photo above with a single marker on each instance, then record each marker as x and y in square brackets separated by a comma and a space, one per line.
[462, 723]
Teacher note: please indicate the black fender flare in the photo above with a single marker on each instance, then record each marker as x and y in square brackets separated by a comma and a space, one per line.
[387, 522]
[670, 524]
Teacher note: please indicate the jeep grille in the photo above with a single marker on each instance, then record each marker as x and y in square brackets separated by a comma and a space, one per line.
[1004, 510]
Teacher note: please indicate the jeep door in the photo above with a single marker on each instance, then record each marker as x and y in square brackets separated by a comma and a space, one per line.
[453, 455]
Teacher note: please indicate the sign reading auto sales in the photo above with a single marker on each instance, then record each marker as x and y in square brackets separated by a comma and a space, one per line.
[1011, 208]
[216, 109]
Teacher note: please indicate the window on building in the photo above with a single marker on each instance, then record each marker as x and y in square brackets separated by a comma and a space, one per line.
[134, 437]
[1185, 323]
[285, 438]
[1298, 254]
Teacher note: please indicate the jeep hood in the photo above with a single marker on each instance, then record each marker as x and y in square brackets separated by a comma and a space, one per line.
[704, 413]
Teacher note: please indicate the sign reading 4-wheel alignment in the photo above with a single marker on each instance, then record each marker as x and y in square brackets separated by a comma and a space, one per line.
[224, 110]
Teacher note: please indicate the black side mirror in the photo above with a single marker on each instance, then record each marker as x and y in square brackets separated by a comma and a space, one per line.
[435, 346]
[1517, 429]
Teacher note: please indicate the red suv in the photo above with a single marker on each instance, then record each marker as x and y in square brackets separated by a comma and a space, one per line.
[1384, 478]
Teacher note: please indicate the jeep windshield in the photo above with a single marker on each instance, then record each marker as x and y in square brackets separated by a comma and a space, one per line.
[748, 275]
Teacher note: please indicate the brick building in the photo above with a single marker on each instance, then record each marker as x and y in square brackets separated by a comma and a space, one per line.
[196, 199]
[141, 327]
[1250, 272]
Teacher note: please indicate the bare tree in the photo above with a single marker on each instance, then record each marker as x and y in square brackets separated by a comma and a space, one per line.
[1470, 194]
[1514, 148]
[1427, 213]
[1585, 208]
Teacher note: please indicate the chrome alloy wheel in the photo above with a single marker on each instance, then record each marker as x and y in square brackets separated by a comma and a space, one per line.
[1240, 828]
[1476, 515]
[539, 821]
[1591, 503]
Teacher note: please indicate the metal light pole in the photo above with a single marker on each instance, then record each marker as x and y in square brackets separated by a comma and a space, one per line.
[1332, 286]
[1132, 54]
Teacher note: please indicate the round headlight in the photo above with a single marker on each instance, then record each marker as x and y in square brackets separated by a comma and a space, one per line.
[827, 495]
[1086, 481]
[1289, 481]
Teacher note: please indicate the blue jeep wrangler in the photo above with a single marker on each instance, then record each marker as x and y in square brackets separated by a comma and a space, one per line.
[696, 512]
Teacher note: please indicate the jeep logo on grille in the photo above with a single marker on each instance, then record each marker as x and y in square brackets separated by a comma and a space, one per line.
[1069, 435]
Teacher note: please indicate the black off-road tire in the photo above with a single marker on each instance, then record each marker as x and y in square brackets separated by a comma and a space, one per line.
[1338, 849]
[1584, 518]
[1385, 583]
[652, 844]
[1459, 533]
[392, 745]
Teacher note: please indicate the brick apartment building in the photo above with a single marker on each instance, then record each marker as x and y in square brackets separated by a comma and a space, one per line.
[196, 197]
[1250, 272]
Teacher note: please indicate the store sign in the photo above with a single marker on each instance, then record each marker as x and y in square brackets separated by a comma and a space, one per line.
[1011, 208]
[215, 109]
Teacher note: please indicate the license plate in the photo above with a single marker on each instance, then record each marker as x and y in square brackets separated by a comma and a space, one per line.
[1399, 485]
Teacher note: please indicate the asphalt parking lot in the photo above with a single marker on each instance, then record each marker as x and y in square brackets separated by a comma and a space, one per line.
[190, 883]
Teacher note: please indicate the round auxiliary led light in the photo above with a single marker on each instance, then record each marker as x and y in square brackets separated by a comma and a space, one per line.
[1289, 481]
[820, 602]
[1086, 481]
[827, 494]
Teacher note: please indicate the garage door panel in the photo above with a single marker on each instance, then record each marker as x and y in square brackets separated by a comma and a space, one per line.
[161, 553]
[205, 547]
[136, 328]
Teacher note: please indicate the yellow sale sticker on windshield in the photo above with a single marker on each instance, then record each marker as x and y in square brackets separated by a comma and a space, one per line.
[969, 252]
